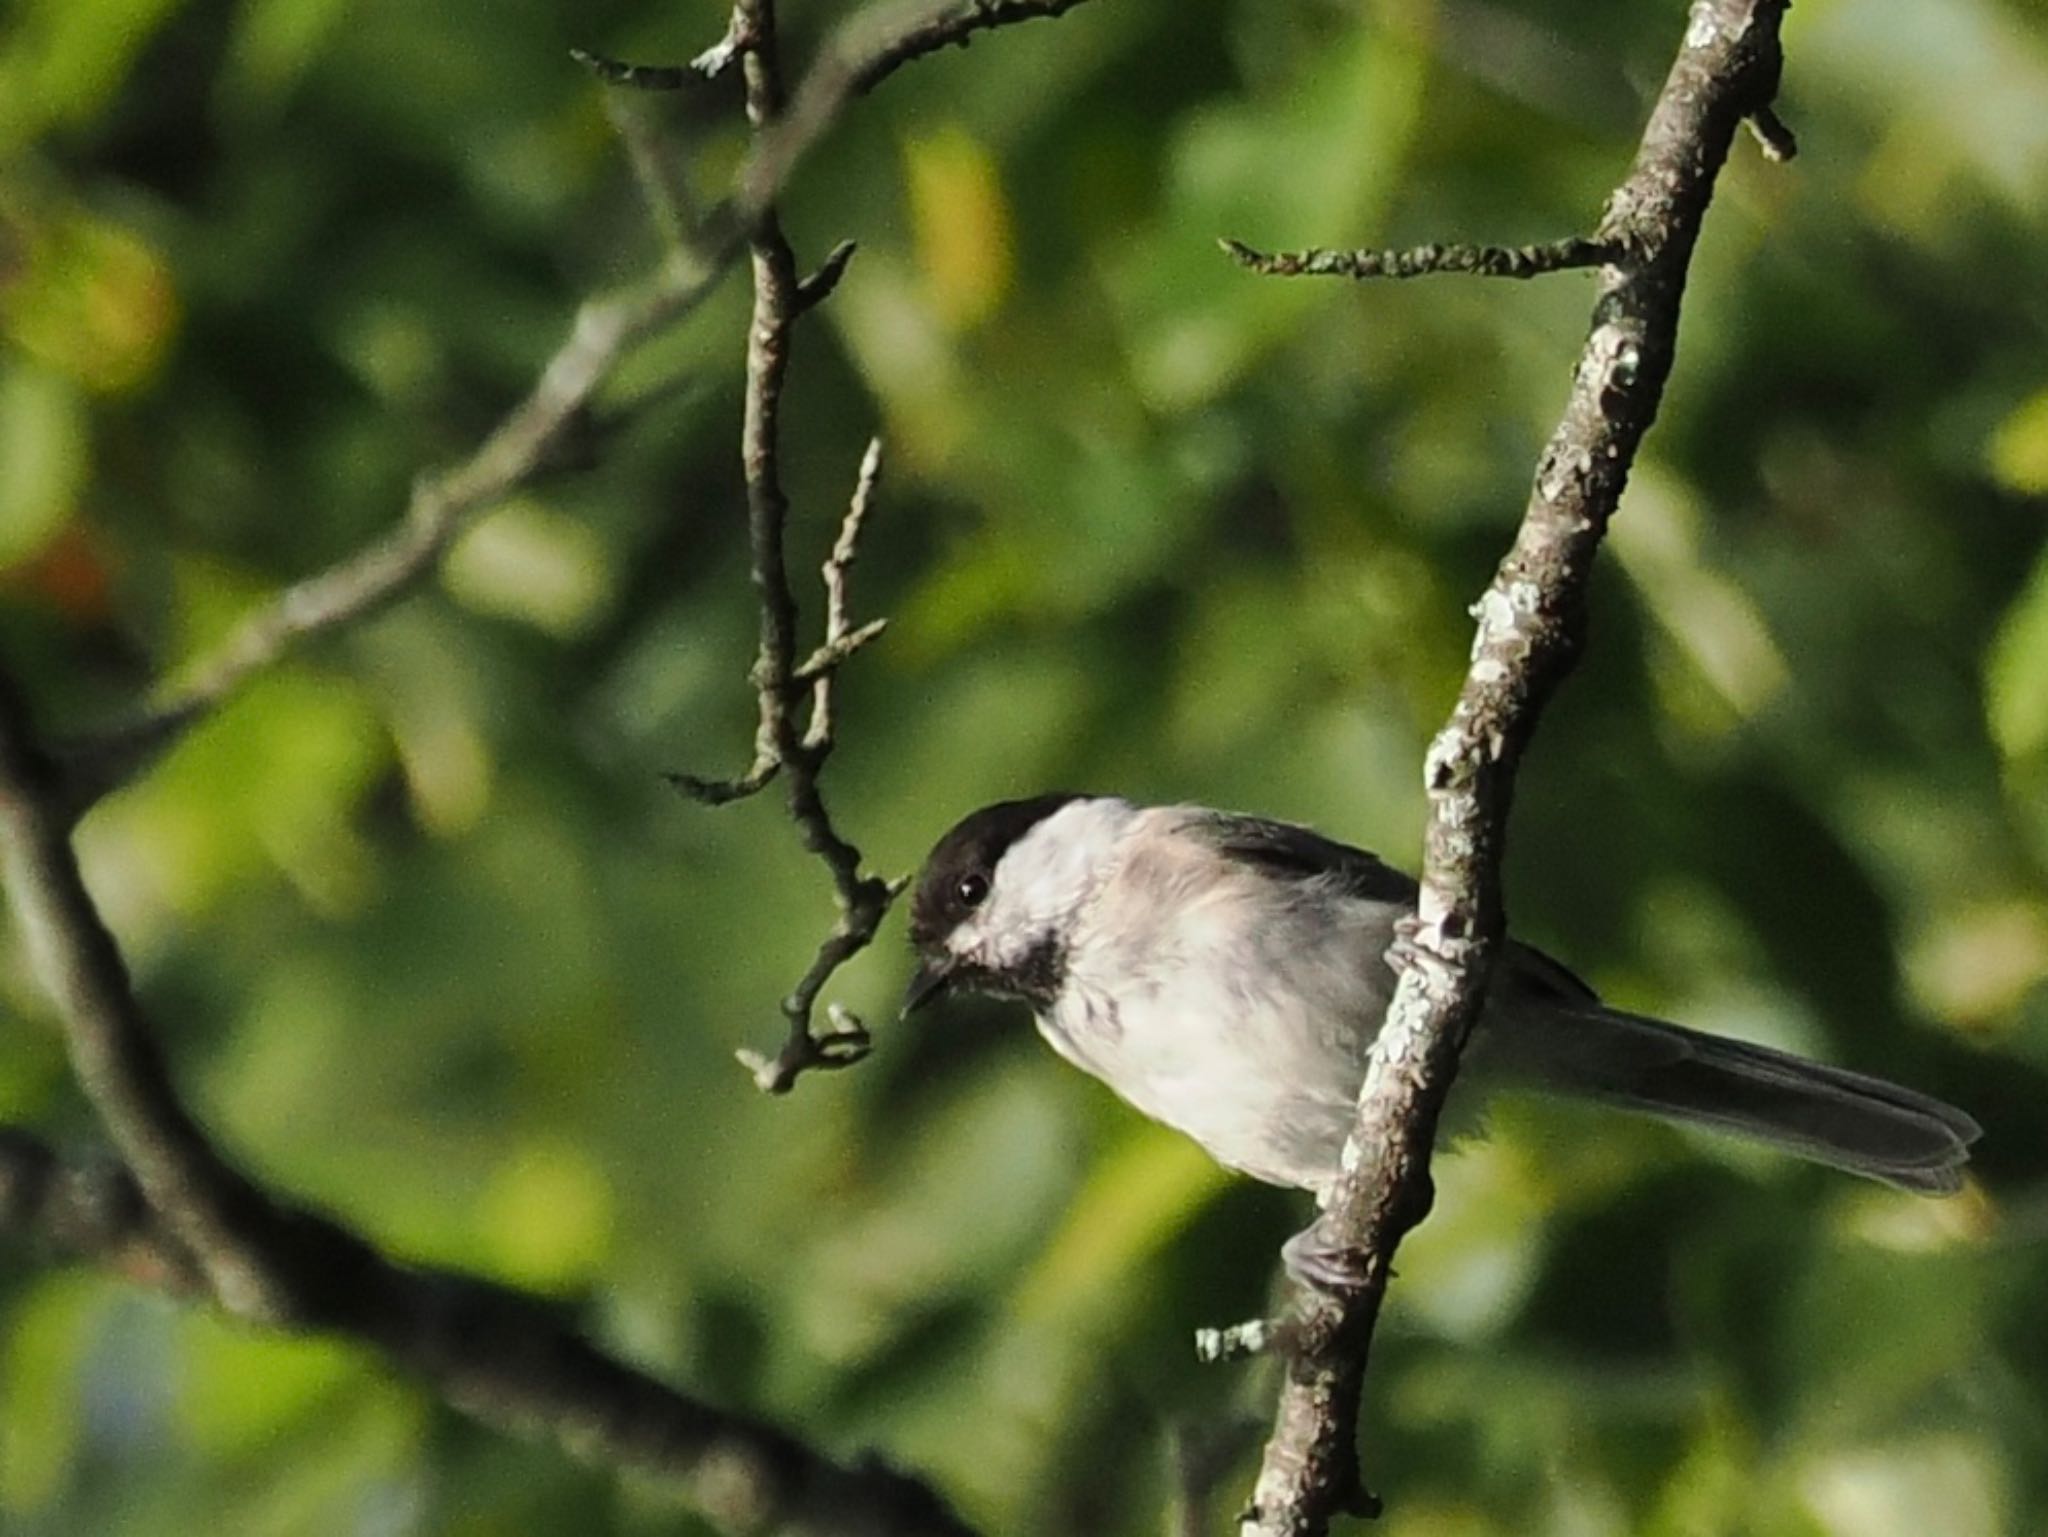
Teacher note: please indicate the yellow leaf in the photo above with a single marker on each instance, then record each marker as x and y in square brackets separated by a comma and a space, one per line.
[546, 1219]
[2016, 672]
[961, 223]
[2018, 450]
[89, 299]
[43, 443]
[50, 1331]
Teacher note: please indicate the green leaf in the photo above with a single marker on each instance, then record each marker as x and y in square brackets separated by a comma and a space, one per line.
[2016, 672]
[50, 1332]
[44, 443]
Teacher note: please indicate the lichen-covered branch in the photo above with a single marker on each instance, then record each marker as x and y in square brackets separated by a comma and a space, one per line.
[181, 1216]
[1487, 261]
[1531, 621]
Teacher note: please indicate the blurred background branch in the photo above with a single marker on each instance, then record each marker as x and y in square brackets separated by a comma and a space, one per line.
[1531, 629]
[511, 1360]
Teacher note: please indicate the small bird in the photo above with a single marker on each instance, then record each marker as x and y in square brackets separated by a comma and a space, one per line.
[1227, 975]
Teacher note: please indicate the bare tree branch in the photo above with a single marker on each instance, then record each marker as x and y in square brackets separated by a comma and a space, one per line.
[181, 1216]
[1492, 261]
[860, 53]
[782, 744]
[1531, 623]
[216, 1214]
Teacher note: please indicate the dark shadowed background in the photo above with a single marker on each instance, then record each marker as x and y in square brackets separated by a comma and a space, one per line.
[436, 947]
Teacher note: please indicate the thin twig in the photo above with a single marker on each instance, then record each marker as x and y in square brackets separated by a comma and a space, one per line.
[634, 77]
[508, 1359]
[1492, 261]
[660, 180]
[1530, 626]
[784, 746]
[817, 288]
[842, 638]
[863, 900]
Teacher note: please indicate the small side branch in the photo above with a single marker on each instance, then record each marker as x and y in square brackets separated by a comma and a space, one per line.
[785, 745]
[1491, 261]
[634, 77]
[864, 900]
[1531, 624]
[842, 637]
[914, 30]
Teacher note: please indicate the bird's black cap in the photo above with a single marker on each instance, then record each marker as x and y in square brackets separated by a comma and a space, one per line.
[971, 849]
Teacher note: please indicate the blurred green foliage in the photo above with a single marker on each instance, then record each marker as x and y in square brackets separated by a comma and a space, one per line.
[433, 945]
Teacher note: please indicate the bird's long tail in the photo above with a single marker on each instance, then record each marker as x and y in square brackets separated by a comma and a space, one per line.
[1827, 1114]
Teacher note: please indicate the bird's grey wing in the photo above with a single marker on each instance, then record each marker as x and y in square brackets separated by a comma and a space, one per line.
[1291, 852]
[1288, 852]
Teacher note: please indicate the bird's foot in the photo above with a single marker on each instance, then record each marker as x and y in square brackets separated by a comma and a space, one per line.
[1316, 1259]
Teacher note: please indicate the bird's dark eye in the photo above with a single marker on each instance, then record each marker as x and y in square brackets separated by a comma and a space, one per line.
[972, 890]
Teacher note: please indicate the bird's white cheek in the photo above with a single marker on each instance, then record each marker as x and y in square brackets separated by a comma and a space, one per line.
[967, 946]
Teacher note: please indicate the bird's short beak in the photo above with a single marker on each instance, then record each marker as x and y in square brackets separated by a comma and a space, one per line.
[931, 979]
